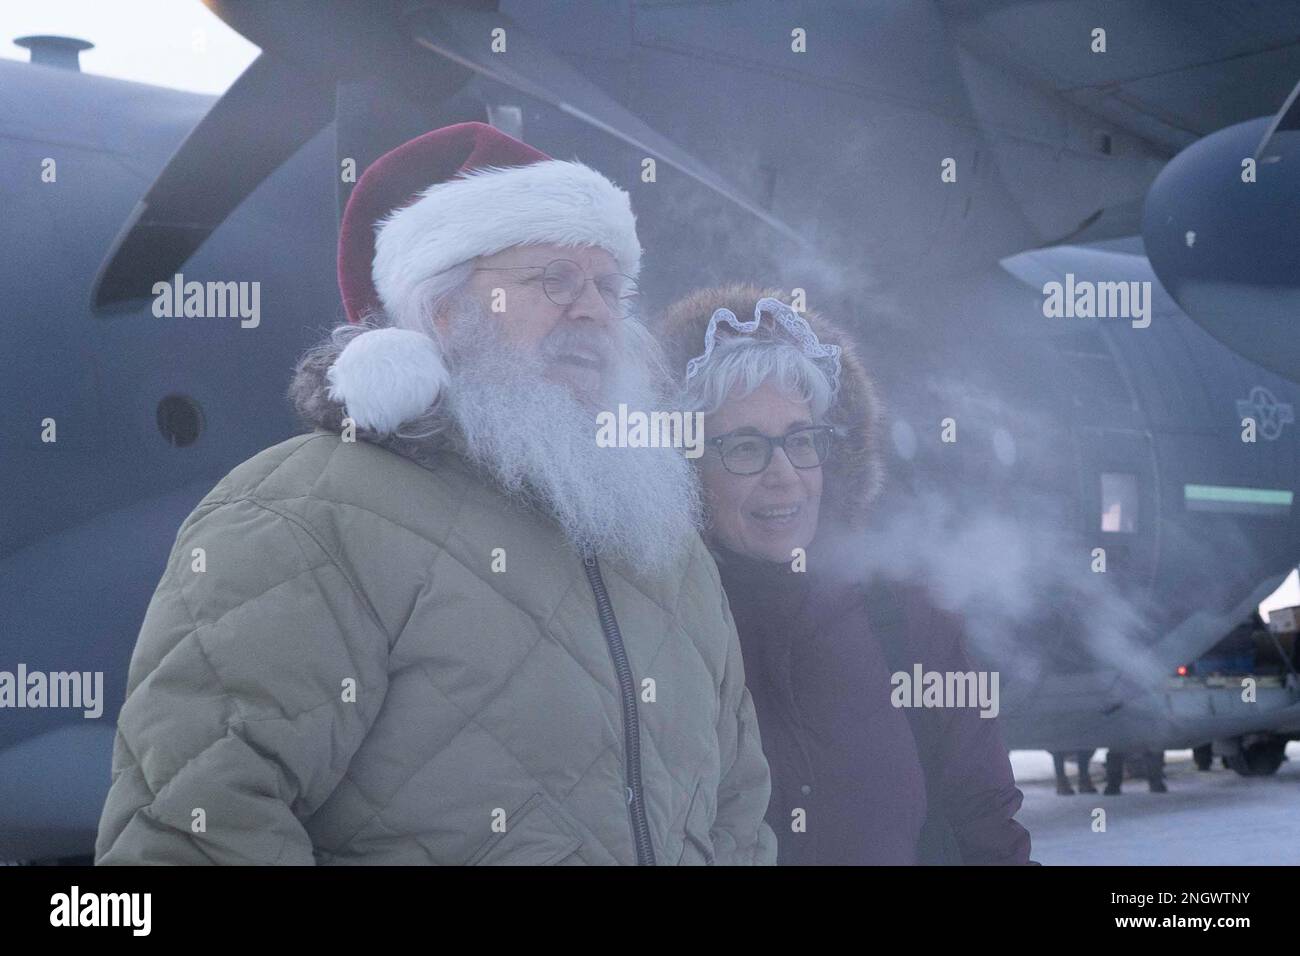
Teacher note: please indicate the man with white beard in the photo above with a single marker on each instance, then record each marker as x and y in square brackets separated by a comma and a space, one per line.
[446, 626]
[535, 434]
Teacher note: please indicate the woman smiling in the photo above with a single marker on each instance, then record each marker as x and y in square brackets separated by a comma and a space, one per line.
[789, 473]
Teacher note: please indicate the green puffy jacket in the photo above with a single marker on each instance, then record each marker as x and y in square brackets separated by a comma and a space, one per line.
[341, 676]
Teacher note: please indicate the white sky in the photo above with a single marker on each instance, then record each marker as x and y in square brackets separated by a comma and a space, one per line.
[1287, 595]
[176, 43]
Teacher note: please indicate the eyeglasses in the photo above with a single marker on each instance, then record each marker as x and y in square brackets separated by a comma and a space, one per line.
[563, 281]
[748, 454]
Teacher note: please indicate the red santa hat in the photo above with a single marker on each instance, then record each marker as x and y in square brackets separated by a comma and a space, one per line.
[464, 191]
[435, 202]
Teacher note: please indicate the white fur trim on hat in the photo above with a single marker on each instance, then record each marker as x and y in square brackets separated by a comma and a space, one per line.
[494, 208]
[384, 377]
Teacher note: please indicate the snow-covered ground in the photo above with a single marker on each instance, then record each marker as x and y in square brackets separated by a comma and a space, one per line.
[1212, 818]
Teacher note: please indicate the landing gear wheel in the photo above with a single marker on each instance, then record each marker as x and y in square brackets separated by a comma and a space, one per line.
[1203, 756]
[1260, 759]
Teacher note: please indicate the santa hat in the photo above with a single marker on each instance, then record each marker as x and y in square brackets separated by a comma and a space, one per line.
[435, 202]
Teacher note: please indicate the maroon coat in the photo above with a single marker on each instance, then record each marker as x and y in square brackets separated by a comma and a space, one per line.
[876, 784]
[841, 752]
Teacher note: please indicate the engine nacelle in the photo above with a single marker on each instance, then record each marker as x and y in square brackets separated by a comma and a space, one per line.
[1222, 232]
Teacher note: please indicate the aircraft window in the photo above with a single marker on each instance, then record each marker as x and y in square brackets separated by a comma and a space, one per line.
[1119, 502]
[180, 420]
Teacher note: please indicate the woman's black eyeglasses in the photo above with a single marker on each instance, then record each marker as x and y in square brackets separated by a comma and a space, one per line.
[563, 281]
[746, 453]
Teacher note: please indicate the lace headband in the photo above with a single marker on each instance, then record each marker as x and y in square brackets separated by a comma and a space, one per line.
[827, 357]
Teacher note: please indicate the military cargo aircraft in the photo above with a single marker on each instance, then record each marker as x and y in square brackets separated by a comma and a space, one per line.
[1036, 215]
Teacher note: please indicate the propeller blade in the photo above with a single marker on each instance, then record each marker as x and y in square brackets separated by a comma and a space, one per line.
[1286, 121]
[270, 111]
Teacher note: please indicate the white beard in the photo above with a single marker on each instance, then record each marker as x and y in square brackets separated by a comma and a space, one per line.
[537, 440]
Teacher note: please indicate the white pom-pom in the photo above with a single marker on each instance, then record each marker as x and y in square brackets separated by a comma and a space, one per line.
[385, 377]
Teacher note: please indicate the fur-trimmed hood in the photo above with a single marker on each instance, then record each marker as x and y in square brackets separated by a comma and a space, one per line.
[854, 475]
[417, 429]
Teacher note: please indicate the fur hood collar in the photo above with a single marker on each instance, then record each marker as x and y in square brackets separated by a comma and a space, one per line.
[390, 382]
[854, 475]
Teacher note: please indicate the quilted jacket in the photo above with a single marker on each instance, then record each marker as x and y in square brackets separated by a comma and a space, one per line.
[337, 668]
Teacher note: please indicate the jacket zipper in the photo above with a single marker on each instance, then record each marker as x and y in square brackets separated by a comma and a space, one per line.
[645, 854]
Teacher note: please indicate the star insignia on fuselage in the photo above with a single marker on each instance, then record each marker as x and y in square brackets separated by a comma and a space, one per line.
[1269, 414]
